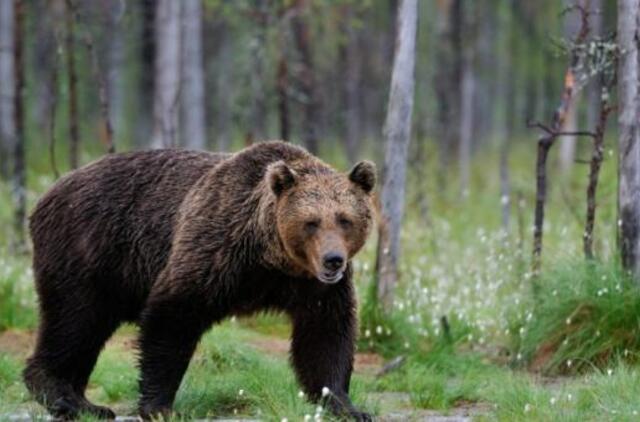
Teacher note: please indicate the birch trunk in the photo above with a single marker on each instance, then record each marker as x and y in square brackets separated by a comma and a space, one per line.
[629, 136]
[568, 143]
[167, 71]
[397, 132]
[19, 170]
[7, 87]
[192, 96]
[595, 88]
[72, 80]
[306, 77]
[352, 76]
[466, 121]
[258, 108]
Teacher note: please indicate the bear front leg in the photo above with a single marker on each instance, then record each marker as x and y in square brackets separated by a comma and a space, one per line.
[323, 346]
[171, 327]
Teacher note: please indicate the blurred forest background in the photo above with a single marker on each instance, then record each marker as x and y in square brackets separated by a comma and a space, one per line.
[496, 84]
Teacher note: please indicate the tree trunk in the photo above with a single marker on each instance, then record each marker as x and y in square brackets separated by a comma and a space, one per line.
[282, 86]
[397, 133]
[167, 70]
[192, 96]
[115, 60]
[629, 137]
[144, 122]
[224, 102]
[19, 170]
[258, 108]
[306, 77]
[594, 93]
[352, 74]
[72, 78]
[7, 87]
[466, 121]
[568, 143]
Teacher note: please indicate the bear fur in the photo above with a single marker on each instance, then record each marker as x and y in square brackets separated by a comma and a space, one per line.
[176, 241]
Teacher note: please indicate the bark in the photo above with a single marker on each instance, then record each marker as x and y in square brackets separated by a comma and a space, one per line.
[568, 143]
[282, 86]
[167, 71]
[144, 122]
[72, 80]
[466, 121]
[223, 79]
[629, 137]
[192, 95]
[258, 107]
[306, 77]
[7, 87]
[19, 170]
[546, 141]
[506, 113]
[397, 131]
[107, 133]
[594, 92]
[115, 60]
[43, 53]
[352, 63]
[597, 156]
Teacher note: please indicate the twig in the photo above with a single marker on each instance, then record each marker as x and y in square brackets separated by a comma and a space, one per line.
[390, 366]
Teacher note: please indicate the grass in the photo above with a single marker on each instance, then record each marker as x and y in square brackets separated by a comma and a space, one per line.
[457, 265]
[584, 315]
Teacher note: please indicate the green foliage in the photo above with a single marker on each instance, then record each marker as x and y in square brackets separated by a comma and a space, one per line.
[584, 315]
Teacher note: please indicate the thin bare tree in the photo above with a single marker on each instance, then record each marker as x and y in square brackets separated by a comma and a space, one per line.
[19, 169]
[629, 136]
[397, 133]
[167, 70]
[7, 87]
[192, 95]
[306, 77]
[72, 80]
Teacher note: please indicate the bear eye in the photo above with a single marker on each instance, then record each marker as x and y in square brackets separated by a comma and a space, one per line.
[311, 226]
[344, 222]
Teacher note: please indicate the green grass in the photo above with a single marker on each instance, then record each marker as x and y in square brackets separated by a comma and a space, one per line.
[457, 263]
[583, 315]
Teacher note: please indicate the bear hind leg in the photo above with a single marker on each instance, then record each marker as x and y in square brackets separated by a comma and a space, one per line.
[70, 339]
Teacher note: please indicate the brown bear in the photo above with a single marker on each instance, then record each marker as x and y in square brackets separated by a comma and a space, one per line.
[178, 240]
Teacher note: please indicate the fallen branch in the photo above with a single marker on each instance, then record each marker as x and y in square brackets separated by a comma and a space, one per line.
[390, 366]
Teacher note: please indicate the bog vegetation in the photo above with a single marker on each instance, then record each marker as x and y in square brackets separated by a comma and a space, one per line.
[474, 324]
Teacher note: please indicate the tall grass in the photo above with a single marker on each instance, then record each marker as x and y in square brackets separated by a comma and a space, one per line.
[583, 315]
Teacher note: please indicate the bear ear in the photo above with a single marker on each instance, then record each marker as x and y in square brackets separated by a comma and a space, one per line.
[363, 174]
[280, 177]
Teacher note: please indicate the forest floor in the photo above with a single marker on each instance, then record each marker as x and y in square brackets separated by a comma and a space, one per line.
[391, 405]
[240, 372]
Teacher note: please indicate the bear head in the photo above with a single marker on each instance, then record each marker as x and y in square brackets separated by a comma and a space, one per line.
[323, 217]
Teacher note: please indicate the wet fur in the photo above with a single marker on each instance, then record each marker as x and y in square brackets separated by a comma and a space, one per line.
[176, 241]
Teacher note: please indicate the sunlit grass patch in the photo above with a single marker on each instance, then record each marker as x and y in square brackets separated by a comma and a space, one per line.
[584, 315]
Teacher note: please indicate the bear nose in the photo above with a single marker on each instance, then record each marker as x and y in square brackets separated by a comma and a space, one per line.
[333, 261]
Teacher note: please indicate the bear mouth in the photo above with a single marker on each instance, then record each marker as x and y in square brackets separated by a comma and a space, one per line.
[330, 278]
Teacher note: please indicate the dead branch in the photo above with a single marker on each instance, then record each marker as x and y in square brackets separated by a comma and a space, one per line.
[548, 138]
[597, 157]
